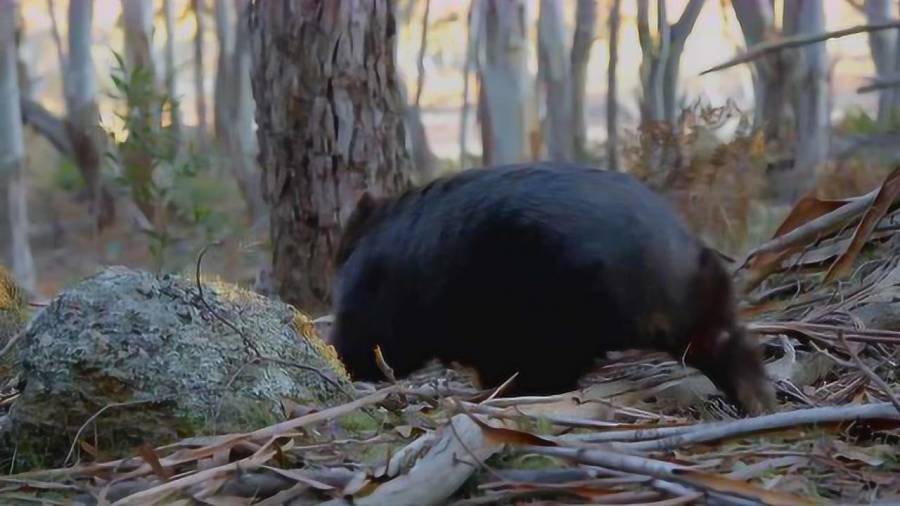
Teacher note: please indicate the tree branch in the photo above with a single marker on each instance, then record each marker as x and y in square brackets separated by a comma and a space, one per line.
[49, 126]
[891, 81]
[766, 48]
[685, 24]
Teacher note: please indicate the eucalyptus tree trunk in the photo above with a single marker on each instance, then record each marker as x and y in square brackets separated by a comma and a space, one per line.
[882, 44]
[505, 91]
[582, 41]
[138, 17]
[234, 105]
[82, 122]
[612, 100]
[171, 69]
[772, 73]
[330, 125]
[12, 151]
[660, 63]
[199, 88]
[555, 75]
[810, 97]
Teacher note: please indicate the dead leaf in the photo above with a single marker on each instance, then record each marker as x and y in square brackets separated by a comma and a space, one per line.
[887, 195]
[723, 484]
[150, 457]
[805, 210]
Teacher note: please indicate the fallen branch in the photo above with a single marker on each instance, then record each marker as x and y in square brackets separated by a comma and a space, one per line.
[870, 373]
[705, 433]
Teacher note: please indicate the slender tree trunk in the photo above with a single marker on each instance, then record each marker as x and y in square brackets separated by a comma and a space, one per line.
[171, 72]
[556, 77]
[882, 44]
[582, 41]
[423, 158]
[473, 43]
[12, 150]
[612, 100]
[504, 93]
[325, 77]
[810, 95]
[770, 78]
[661, 62]
[199, 89]
[223, 95]
[138, 17]
[83, 116]
[234, 104]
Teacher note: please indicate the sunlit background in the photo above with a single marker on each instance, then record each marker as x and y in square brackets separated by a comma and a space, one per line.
[716, 38]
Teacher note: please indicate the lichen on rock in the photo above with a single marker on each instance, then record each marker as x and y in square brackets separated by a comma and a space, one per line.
[163, 362]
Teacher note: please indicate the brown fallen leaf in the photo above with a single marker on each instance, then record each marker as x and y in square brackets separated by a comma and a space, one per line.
[887, 195]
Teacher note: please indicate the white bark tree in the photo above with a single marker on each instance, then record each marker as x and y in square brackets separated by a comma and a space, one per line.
[792, 90]
[12, 150]
[612, 100]
[171, 69]
[234, 106]
[582, 42]
[770, 74]
[810, 97]
[555, 76]
[882, 44]
[502, 57]
[83, 116]
[661, 62]
[199, 87]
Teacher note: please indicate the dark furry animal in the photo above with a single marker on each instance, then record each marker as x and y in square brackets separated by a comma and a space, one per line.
[537, 269]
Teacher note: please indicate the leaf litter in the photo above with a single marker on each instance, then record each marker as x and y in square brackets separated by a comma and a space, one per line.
[643, 430]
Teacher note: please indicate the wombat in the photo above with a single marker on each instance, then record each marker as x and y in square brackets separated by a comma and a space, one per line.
[538, 269]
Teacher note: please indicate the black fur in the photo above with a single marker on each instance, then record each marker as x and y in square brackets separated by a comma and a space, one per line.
[537, 269]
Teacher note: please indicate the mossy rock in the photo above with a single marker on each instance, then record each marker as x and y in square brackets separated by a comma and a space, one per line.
[162, 362]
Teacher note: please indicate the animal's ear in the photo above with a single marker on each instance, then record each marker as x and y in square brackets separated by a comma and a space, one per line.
[358, 223]
[365, 204]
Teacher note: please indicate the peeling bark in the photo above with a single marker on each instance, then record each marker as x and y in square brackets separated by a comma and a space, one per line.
[330, 124]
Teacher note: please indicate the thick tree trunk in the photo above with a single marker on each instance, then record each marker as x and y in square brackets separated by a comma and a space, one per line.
[882, 44]
[199, 88]
[582, 41]
[612, 100]
[556, 76]
[12, 151]
[330, 124]
[83, 116]
[504, 93]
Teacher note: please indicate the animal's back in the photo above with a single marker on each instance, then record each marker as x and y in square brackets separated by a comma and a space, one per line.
[520, 268]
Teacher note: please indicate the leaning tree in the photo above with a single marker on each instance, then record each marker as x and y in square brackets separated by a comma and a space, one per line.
[329, 112]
